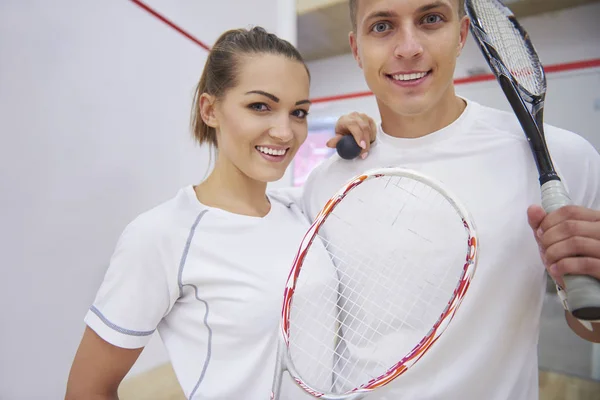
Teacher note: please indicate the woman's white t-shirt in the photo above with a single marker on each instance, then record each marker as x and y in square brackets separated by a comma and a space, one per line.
[211, 283]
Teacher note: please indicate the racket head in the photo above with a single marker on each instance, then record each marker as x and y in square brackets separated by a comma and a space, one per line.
[331, 337]
[507, 46]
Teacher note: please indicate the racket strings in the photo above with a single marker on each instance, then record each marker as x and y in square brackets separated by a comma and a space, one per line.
[363, 302]
[520, 59]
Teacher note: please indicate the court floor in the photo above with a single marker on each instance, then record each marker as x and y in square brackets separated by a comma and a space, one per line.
[566, 365]
[161, 384]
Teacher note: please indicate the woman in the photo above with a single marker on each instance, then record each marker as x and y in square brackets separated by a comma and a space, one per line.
[207, 268]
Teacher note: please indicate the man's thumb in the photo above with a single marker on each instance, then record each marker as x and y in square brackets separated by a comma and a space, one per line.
[535, 216]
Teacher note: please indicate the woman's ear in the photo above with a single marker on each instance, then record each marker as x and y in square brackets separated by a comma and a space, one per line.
[207, 110]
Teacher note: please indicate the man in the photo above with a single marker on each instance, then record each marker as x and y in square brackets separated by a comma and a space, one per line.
[407, 50]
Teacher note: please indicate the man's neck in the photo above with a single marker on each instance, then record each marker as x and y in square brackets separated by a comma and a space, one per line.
[413, 126]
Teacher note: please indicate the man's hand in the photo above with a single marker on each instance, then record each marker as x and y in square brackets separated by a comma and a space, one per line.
[569, 240]
[360, 126]
[569, 243]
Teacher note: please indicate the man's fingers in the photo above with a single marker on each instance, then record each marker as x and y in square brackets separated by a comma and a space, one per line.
[575, 266]
[569, 213]
[535, 216]
[576, 246]
[567, 229]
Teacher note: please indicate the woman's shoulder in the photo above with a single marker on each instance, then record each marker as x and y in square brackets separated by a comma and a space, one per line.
[164, 218]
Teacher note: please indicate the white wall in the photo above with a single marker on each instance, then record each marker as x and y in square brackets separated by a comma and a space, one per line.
[94, 109]
[573, 99]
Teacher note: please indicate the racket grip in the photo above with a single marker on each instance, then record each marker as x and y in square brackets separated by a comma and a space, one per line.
[554, 196]
[278, 375]
[582, 291]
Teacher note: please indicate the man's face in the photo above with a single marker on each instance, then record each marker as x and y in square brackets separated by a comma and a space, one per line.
[408, 50]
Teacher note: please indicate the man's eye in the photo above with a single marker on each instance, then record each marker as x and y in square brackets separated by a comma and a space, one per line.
[380, 27]
[432, 19]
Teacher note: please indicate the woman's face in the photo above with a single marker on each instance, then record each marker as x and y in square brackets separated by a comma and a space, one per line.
[261, 122]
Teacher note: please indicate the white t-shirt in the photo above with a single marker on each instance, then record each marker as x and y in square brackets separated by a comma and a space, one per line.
[490, 350]
[211, 283]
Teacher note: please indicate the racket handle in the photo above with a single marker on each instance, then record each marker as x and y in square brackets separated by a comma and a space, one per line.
[583, 291]
[278, 375]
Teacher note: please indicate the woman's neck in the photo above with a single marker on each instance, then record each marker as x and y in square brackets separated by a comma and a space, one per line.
[230, 189]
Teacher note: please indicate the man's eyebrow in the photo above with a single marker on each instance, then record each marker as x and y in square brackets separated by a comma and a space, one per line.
[431, 6]
[381, 14]
[393, 14]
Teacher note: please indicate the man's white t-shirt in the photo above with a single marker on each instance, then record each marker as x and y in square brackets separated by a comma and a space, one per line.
[211, 283]
[490, 349]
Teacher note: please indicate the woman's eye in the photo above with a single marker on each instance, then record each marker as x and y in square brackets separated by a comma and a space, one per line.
[380, 27]
[432, 19]
[300, 113]
[259, 107]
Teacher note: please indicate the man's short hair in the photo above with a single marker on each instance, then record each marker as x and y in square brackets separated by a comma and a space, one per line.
[354, 5]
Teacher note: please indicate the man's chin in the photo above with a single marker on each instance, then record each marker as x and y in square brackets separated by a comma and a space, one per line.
[408, 106]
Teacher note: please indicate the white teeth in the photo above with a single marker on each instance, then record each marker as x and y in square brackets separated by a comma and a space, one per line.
[409, 77]
[272, 152]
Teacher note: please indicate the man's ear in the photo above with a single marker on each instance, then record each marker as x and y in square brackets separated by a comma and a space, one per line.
[354, 47]
[207, 110]
[465, 22]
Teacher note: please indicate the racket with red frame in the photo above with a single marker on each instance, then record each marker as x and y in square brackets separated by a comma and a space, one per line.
[376, 282]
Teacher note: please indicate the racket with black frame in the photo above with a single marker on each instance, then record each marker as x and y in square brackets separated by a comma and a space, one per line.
[508, 50]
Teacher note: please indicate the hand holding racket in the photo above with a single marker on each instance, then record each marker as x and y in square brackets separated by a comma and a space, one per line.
[378, 278]
[515, 63]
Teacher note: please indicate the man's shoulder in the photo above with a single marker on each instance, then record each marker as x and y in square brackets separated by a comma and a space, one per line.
[562, 141]
[502, 121]
[491, 119]
[576, 160]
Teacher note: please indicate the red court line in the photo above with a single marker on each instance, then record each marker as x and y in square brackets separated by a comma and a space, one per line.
[170, 23]
[571, 66]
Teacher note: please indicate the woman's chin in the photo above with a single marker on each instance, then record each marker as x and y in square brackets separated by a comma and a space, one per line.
[267, 174]
[268, 178]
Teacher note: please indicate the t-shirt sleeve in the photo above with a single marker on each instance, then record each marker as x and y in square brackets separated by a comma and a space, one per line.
[134, 295]
[591, 196]
[579, 167]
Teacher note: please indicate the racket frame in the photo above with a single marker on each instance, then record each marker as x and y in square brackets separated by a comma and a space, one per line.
[284, 361]
[531, 120]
